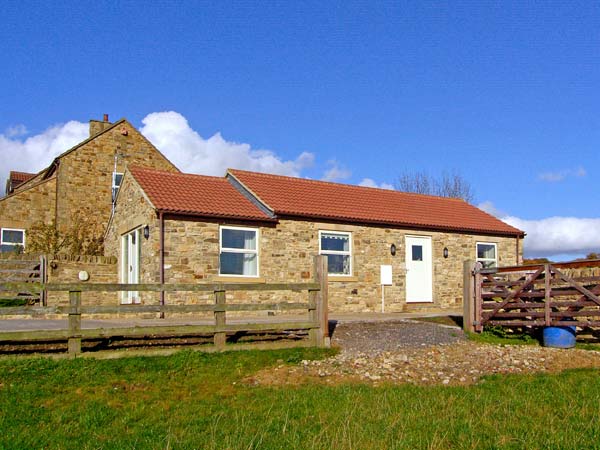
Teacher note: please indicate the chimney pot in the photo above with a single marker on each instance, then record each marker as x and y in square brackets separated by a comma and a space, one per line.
[106, 117]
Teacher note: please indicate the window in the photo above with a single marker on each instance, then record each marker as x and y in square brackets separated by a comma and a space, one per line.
[116, 183]
[12, 240]
[417, 252]
[486, 254]
[239, 252]
[337, 246]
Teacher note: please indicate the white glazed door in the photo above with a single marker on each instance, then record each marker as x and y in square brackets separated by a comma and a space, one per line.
[419, 277]
[130, 269]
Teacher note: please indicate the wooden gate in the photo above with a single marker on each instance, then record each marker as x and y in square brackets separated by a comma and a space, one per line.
[561, 294]
[31, 270]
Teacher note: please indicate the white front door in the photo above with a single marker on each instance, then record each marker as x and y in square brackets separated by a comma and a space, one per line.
[130, 268]
[419, 277]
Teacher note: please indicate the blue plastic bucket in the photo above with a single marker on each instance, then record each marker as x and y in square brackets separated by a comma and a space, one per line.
[560, 337]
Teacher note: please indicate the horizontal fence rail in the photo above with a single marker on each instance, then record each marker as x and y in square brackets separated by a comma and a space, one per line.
[565, 294]
[316, 323]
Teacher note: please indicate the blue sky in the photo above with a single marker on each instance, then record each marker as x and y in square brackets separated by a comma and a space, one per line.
[506, 92]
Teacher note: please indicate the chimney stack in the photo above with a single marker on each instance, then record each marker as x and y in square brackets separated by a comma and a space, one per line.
[97, 126]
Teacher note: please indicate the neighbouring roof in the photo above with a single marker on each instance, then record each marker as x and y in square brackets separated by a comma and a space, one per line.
[299, 197]
[195, 195]
[15, 179]
[20, 177]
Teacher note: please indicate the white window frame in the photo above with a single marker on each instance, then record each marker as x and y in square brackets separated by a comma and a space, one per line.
[482, 260]
[115, 188]
[338, 252]
[11, 243]
[239, 250]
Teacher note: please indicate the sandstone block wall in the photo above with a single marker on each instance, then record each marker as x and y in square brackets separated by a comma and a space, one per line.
[287, 250]
[65, 269]
[23, 209]
[85, 175]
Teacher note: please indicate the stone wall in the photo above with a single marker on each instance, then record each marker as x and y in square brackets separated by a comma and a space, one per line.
[84, 185]
[66, 269]
[24, 209]
[287, 250]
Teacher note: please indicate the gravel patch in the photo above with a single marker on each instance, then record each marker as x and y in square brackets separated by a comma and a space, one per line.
[420, 353]
[392, 335]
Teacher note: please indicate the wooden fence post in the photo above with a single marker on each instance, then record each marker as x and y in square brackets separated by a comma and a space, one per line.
[74, 343]
[220, 337]
[468, 296]
[547, 294]
[478, 304]
[319, 311]
[43, 280]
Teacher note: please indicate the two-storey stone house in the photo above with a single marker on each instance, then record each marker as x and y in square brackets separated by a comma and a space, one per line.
[79, 184]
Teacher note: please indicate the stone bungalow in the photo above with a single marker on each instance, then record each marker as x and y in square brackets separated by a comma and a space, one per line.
[80, 183]
[252, 227]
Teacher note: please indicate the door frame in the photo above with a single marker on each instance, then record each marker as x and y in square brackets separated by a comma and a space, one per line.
[427, 298]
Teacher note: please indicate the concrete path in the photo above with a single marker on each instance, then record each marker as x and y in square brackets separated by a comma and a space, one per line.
[7, 325]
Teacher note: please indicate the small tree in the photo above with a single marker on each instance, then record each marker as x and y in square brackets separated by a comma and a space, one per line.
[83, 237]
[45, 238]
[86, 237]
[448, 185]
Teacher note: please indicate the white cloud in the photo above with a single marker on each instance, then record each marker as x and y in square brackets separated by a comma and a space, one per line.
[34, 153]
[553, 177]
[171, 133]
[336, 172]
[369, 182]
[554, 235]
[490, 208]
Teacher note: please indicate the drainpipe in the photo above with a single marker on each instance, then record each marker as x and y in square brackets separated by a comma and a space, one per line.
[161, 233]
[517, 250]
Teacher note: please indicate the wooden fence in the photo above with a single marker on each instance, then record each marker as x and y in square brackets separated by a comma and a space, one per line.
[561, 294]
[316, 322]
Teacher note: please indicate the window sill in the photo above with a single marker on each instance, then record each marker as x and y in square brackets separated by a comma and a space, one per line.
[226, 279]
[338, 278]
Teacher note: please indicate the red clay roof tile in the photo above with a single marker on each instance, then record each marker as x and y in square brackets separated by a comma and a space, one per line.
[298, 197]
[196, 195]
[20, 177]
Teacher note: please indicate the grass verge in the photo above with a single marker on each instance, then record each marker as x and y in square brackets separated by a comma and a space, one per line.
[197, 400]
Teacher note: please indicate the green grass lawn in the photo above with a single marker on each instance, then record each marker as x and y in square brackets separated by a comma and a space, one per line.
[196, 400]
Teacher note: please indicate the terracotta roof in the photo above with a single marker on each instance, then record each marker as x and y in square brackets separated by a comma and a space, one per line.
[298, 197]
[20, 177]
[16, 179]
[195, 195]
